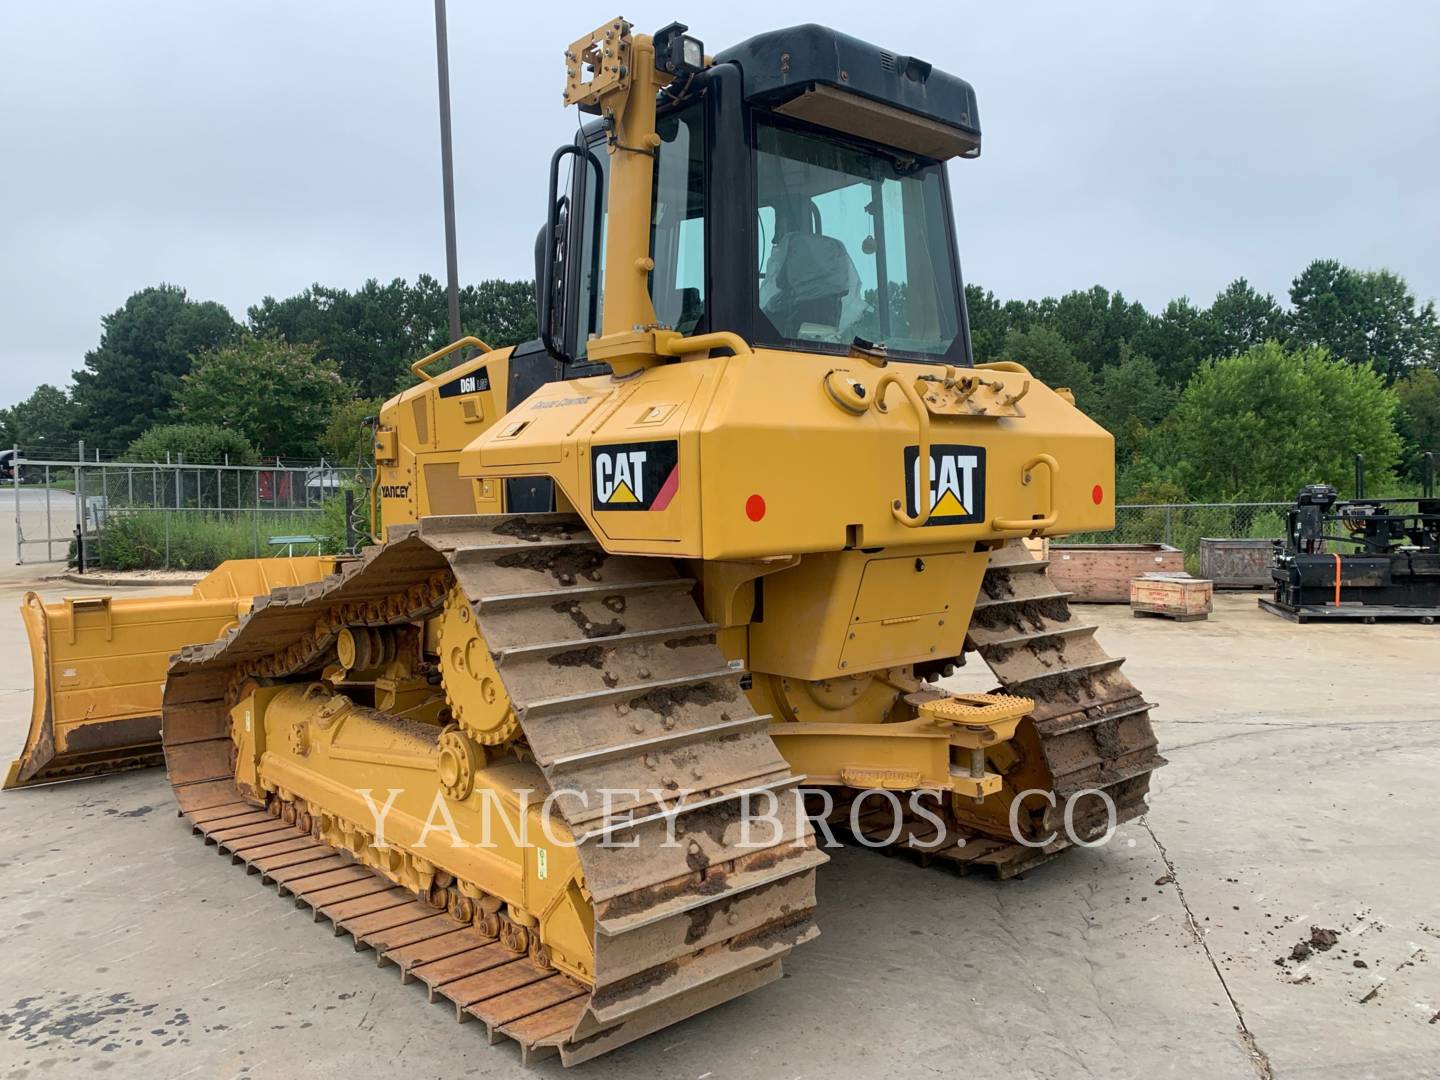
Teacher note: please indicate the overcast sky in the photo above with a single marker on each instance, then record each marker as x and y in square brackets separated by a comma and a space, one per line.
[253, 147]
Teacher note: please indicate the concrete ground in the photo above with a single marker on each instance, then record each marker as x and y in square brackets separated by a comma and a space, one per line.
[1301, 792]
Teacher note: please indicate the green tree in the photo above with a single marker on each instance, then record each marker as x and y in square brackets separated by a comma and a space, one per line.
[1260, 425]
[370, 334]
[987, 330]
[129, 381]
[1177, 339]
[1419, 418]
[198, 443]
[375, 333]
[347, 440]
[499, 313]
[1094, 323]
[1241, 318]
[1047, 356]
[991, 321]
[1365, 317]
[1130, 398]
[278, 396]
[46, 423]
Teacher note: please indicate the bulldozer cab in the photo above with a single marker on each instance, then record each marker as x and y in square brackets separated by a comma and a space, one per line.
[798, 198]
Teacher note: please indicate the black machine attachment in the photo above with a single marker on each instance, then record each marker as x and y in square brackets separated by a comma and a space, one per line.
[1360, 558]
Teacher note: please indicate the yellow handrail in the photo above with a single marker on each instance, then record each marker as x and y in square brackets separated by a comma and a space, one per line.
[719, 339]
[1005, 365]
[922, 459]
[468, 342]
[1033, 525]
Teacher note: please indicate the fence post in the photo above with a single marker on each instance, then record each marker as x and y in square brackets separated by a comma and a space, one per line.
[80, 507]
[49, 524]
[349, 519]
[255, 515]
[1169, 525]
[19, 531]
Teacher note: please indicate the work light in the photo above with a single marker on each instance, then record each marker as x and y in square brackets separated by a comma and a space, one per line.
[677, 52]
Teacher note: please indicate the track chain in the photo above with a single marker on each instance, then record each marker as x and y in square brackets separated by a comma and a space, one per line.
[617, 683]
[1090, 731]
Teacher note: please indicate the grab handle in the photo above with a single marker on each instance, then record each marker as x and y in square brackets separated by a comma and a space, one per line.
[1033, 525]
[922, 458]
[418, 367]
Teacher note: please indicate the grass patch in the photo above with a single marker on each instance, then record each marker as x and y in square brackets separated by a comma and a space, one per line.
[202, 540]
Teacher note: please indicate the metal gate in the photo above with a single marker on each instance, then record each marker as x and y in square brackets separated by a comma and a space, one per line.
[164, 514]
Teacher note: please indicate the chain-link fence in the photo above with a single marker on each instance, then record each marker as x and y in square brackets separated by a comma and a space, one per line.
[1182, 525]
[129, 515]
[177, 515]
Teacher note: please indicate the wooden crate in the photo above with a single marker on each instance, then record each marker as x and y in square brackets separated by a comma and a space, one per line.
[1177, 596]
[1101, 573]
[1038, 547]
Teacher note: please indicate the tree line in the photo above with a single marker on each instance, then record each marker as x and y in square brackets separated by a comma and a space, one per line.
[1246, 398]
[293, 380]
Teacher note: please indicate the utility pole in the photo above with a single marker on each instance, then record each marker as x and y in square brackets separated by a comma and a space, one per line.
[447, 168]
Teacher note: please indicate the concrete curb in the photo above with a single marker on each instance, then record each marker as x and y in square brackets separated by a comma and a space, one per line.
[110, 581]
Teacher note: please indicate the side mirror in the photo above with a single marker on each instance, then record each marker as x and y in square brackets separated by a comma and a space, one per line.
[551, 249]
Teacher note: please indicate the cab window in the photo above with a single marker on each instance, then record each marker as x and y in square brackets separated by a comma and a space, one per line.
[677, 234]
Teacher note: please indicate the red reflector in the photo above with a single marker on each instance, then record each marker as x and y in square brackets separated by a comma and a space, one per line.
[1097, 494]
[755, 508]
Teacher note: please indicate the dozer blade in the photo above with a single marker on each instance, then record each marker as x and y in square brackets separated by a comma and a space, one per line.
[99, 666]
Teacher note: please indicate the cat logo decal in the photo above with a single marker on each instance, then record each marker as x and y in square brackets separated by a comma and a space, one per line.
[953, 488]
[635, 476]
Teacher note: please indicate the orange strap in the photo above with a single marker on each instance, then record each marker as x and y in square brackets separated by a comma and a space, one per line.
[1337, 578]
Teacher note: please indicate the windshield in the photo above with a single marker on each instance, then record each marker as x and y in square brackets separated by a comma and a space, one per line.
[852, 243]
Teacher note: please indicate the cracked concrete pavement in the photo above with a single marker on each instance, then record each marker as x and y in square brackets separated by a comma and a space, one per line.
[1300, 793]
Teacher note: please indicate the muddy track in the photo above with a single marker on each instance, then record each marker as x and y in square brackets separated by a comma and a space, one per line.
[1090, 733]
[617, 684]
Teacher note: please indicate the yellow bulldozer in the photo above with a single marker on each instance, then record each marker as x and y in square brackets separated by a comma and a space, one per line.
[661, 595]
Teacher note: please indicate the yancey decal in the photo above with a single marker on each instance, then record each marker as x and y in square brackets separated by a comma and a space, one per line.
[473, 383]
[954, 489]
[635, 476]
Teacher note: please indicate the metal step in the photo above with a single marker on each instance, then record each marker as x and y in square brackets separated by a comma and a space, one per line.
[1080, 723]
[502, 601]
[660, 742]
[1025, 638]
[682, 809]
[985, 602]
[735, 885]
[1090, 667]
[549, 706]
[547, 649]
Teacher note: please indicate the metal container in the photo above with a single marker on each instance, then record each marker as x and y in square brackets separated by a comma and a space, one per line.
[1236, 564]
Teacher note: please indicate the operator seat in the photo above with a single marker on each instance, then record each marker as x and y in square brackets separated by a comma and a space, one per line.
[811, 287]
